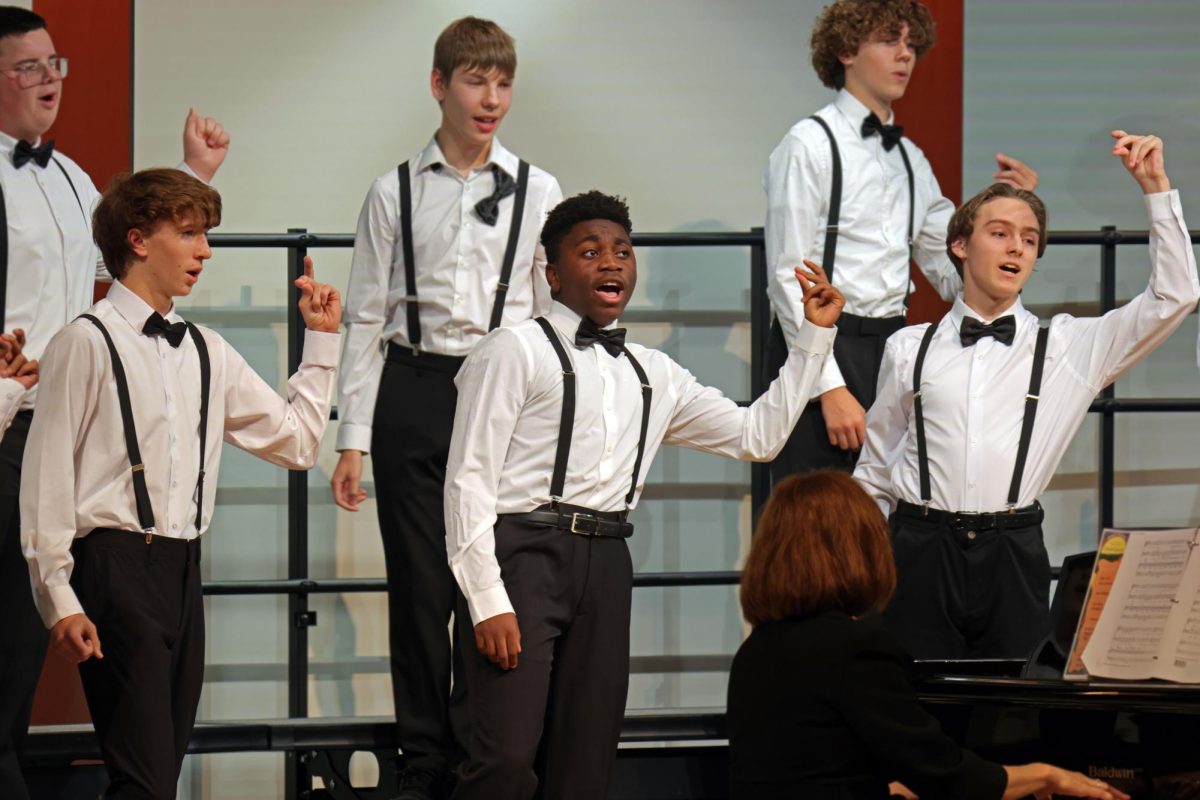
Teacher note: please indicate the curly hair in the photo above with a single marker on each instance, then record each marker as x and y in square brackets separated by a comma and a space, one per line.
[962, 224]
[843, 26]
[144, 199]
[581, 208]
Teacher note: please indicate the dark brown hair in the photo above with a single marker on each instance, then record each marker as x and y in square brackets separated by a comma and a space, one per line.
[822, 544]
[474, 43]
[843, 26]
[962, 224]
[143, 200]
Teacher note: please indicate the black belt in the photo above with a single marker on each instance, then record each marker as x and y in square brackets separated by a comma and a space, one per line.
[423, 360]
[136, 540]
[966, 520]
[854, 325]
[580, 520]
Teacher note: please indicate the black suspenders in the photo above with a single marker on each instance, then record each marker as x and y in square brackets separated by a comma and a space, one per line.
[567, 420]
[1031, 401]
[4, 236]
[410, 269]
[138, 470]
[835, 203]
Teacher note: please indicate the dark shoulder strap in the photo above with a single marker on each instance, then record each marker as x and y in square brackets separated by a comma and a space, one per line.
[647, 395]
[1031, 402]
[3, 256]
[71, 183]
[410, 267]
[566, 424]
[510, 252]
[922, 450]
[141, 495]
[912, 212]
[835, 201]
[205, 383]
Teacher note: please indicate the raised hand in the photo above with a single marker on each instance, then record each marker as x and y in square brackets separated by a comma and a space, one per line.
[1143, 158]
[1015, 173]
[822, 302]
[205, 145]
[320, 304]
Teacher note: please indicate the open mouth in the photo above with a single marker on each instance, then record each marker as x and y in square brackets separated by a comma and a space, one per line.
[486, 123]
[1011, 269]
[194, 274]
[611, 291]
[48, 98]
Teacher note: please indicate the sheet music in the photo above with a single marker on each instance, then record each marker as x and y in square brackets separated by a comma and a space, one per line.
[1128, 637]
[1180, 659]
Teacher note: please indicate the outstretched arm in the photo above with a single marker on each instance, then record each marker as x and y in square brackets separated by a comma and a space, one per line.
[704, 419]
[1100, 349]
[205, 145]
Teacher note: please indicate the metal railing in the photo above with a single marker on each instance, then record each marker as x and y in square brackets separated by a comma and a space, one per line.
[298, 586]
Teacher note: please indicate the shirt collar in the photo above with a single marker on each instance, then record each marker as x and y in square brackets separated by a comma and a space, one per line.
[134, 309]
[567, 321]
[960, 309]
[855, 111]
[498, 155]
[8, 144]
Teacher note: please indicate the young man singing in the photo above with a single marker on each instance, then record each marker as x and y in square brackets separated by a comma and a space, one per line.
[446, 250]
[557, 423]
[975, 412]
[121, 469]
[847, 189]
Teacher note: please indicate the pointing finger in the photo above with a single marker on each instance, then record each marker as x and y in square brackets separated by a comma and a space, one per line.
[308, 266]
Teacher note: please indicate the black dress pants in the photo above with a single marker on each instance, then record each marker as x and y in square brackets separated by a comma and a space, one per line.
[410, 442]
[146, 602]
[960, 593]
[23, 637]
[549, 728]
[858, 349]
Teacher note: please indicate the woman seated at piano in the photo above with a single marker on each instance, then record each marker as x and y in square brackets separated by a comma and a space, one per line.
[820, 701]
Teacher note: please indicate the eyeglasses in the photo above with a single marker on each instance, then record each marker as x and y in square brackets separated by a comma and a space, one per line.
[31, 73]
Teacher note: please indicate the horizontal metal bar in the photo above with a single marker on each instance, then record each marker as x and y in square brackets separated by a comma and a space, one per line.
[665, 239]
[351, 585]
[1144, 404]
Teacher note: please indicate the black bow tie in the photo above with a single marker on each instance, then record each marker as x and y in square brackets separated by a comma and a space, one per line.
[488, 208]
[157, 326]
[611, 339]
[1002, 329]
[890, 134]
[24, 152]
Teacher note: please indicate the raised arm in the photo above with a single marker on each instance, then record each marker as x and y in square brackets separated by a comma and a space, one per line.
[288, 432]
[205, 145]
[1101, 349]
[704, 419]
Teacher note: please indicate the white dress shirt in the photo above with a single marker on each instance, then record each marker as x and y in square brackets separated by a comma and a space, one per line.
[872, 266]
[76, 468]
[52, 261]
[458, 266]
[507, 422]
[11, 394]
[973, 398]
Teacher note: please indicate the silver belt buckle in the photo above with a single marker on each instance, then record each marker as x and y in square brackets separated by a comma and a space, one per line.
[575, 525]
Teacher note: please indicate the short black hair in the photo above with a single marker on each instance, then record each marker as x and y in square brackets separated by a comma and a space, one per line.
[581, 208]
[16, 21]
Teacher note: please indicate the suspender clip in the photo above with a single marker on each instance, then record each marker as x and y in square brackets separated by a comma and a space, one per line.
[831, 228]
[139, 467]
[924, 508]
[1031, 397]
[1012, 508]
[502, 285]
[916, 394]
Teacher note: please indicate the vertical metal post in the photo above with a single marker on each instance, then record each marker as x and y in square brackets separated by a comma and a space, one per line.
[297, 781]
[760, 320]
[1108, 301]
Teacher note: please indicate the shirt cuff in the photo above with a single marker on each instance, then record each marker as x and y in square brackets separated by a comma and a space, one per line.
[351, 436]
[58, 602]
[1163, 206]
[489, 603]
[321, 349]
[814, 338]
[184, 168]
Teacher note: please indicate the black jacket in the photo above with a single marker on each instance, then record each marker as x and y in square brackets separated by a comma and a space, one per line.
[822, 707]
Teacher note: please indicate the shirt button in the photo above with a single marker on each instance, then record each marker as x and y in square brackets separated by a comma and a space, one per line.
[174, 526]
[971, 484]
[971, 534]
